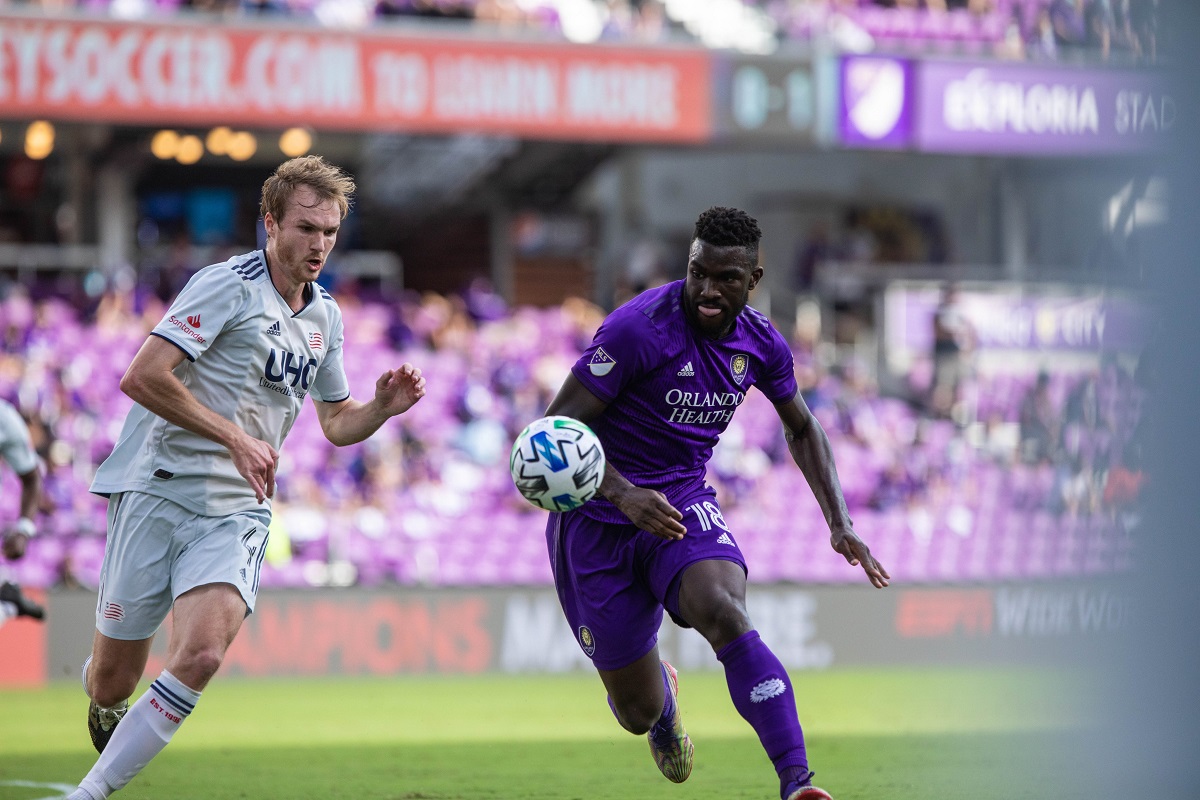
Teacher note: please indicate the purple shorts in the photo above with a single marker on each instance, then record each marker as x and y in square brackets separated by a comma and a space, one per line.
[614, 580]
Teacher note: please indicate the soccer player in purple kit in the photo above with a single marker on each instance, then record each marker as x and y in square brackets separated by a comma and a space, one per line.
[659, 383]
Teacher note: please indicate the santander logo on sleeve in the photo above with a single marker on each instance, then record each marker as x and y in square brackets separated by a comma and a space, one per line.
[189, 327]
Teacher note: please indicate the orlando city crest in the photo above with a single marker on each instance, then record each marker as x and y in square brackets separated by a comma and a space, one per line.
[586, 641]
[738, 365]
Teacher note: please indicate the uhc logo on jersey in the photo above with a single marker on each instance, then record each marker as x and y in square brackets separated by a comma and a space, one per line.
[288, 373]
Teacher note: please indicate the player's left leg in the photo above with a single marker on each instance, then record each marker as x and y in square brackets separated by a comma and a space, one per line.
[712, 599]
[616, 620]
[206, 619]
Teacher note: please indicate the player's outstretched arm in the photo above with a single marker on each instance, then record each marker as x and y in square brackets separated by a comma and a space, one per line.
[646, 508]
[810, 449]
[350, 421]
[151, 382]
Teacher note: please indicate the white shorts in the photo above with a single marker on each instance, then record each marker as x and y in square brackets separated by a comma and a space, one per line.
[157, 550]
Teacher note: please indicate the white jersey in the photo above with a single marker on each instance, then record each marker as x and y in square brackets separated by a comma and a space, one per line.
[251, 360]
[15, 445]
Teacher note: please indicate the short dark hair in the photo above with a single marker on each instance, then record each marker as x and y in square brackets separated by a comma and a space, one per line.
[728, 227]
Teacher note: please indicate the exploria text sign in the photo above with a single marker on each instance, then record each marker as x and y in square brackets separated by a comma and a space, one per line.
[974, 107]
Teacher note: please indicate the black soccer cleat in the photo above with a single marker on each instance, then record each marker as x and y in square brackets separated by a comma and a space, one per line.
[11, 593]
[103, 721]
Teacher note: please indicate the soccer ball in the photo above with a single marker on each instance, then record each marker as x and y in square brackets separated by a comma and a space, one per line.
[557, 463]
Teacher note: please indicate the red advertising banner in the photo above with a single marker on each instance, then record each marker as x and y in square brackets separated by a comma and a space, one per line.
[935, 613]
[395, 630]
[379, 636]
[23, 649]
[189, 74]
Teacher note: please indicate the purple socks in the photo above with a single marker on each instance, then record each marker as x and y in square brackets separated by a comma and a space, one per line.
[667, 719]
[762, 694]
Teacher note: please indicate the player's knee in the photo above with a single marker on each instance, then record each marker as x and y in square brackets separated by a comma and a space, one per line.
[196, 667]
[723, 623]
[639, 714]
[111, 687]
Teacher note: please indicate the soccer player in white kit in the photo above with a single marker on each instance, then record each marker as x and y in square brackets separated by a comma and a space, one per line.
[17, 449]
[218, 384]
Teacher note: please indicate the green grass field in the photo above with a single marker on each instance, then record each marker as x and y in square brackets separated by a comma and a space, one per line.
[947, 734]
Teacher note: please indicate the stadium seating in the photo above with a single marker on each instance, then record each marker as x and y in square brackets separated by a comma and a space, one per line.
[428, 501]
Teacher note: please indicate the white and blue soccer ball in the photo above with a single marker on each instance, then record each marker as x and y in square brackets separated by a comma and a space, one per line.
[557, 463]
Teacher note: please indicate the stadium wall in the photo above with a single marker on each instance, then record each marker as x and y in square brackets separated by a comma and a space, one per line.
[414, 631]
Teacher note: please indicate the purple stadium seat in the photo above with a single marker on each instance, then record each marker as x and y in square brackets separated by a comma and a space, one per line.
[438, 518]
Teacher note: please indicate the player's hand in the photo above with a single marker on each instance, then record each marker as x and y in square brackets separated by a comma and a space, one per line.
[855, 550]
[14, 545]
[398, 390]
[256, 461]
[650, 511]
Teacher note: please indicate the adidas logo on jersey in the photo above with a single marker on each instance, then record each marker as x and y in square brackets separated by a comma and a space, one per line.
[724, 539]
[274, 329]
[687, 371]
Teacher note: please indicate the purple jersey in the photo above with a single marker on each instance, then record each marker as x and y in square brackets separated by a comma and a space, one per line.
[671, 391]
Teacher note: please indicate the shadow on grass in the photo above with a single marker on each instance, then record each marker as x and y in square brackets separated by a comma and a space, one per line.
[1038, 766]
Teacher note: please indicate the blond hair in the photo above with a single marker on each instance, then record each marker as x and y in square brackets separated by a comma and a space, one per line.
[328, 181]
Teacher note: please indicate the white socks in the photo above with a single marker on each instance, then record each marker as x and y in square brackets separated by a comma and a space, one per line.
[7, 611]
[141, 735]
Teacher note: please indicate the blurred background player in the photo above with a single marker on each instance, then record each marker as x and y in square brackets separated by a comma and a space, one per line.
[953, 343]
[659, 383]
[17, 450]
[218, 385]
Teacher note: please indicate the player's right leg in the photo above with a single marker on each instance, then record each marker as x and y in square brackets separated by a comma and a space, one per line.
[615, 619]
[637, 693]
[110, 676]
[134, 599]
[160, 555]
[644, 697]
[206, 620]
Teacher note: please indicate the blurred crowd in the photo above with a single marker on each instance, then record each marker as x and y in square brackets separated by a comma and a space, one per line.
[628, 20]
[424, 499]
[1125, 30]
[1084, 440]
